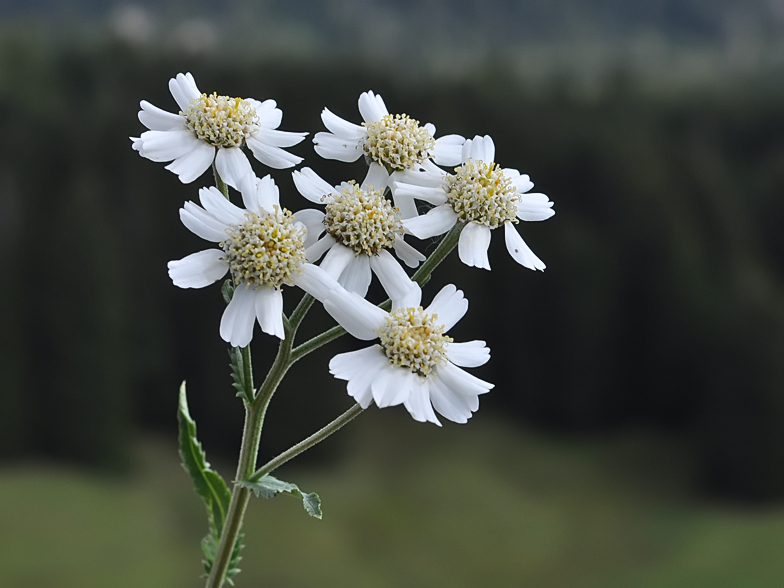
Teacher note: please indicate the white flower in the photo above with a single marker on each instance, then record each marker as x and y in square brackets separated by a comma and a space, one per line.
[414, 362]
[262, 246]
[481, 195]
[212, 127]
[390, 143]
[361, 225]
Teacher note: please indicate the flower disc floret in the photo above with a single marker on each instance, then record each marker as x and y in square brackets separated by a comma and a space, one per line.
[266, 250]
[480, 192]
[414, 340]
[362, 220]
[397, 142]
[220, 120]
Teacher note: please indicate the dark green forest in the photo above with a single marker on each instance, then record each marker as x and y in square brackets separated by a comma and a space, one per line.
[662, 306]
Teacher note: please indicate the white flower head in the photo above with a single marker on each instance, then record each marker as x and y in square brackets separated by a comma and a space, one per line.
[390, 143]
[262, 246]
[482, 196]
[360, 227]
[414, 363]
[211, 128]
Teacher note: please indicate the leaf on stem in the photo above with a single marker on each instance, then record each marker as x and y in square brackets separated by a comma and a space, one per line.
[208, 484]
[269, 487]
[244, 388]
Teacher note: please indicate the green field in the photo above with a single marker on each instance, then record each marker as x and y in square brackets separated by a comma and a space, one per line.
[405, 505]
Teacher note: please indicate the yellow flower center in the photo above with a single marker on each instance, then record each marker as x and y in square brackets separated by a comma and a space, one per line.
[480, 192]
[266, 250]
[220, 120]
[397, 142]
[413, 340]
[362, 220]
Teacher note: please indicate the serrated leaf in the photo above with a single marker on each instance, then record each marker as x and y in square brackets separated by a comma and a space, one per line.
[244, 388]
[227, 289]
[207, 482]
[269, 487]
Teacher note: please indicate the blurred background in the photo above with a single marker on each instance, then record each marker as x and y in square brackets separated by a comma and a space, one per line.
[635, 436]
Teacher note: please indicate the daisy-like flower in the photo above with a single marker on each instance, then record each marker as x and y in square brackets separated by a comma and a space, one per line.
[262, 246]
[390, 143]
[482, 196]
[211, 128]
[414, 363]
[361, 225]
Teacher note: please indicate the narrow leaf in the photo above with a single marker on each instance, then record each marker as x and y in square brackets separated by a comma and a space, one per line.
[269, 487]
[207, 482]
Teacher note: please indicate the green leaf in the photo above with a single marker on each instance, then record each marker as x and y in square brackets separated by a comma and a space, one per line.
[244, 388]
[227, 289]
[269, 487]
[207, 482]
[209, 545]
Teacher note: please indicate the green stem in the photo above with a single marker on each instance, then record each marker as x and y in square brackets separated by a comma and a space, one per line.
[219, 183]
[306, 444]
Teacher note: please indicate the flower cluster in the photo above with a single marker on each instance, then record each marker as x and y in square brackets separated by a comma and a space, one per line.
[358, 231]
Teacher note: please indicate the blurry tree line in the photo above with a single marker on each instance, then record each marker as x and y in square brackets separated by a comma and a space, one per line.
[662, 305]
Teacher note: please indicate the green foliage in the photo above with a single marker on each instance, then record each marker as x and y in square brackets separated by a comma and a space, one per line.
[209, 485]
[244, 388]
[269, 487]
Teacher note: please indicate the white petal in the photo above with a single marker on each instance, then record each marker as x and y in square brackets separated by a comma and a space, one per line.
[166, 145]
[216, 204]
[198, 270]
[316, 282]
[393, 278]
[267, 194]
[359, 368]
[269, 115]
[461, 381]
[450, 305]
[357, 275]
[191, 165]
[311, 185]
[436, 222]
[269, 311]
[275, 138]
[473, 244]
[313, 221]
[204, 216]
[481, 148]
[330, 146]
[452, 405]
[341, 127]
[157, 119]
[468, 354]
[418, 402]
[391, 386]
[435, 195]
[274, 157]
[248, 188]
[410, 256]
[337, 260]
[405, 205]
[183, 88]
[236, 326]
[534, 207]
[522, 182]
[427, 174]
[355, 314]
[371, 107]
[232, 165]
[448, 150]
[198, 221]
[315, 251]
[518, 249]
[377, 177]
